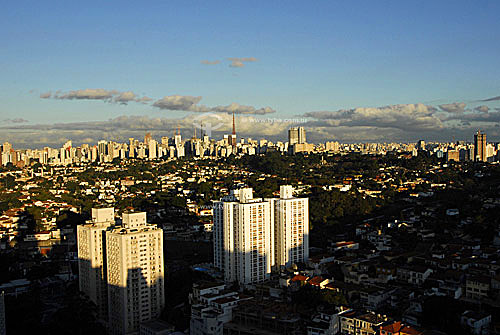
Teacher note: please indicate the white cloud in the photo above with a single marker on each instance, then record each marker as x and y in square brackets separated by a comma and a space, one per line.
[177, 102]
[240, 62]
[190, 104]
[456, 107]
[112, 96]
[409, 117]
[15, 120]
[210, 62]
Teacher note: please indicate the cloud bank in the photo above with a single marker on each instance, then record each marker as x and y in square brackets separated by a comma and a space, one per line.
[112, 96]
[190, 104]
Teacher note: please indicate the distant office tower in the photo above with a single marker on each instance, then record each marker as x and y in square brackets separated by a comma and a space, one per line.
[291, 222]
[293, 136]
[101, 149]
[92, 257]
[421, 145]
[135, 273]
[177, 139]
[302, 135]
[252, 235]
[147, 138]
[243, 241]
[480, 146]
[297, 140]
[152, 149]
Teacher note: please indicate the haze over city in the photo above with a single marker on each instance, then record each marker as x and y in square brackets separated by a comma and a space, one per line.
[351, 72]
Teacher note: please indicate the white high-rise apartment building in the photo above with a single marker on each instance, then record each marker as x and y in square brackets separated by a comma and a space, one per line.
[251, 236]
[135, 274]
[92, 257]
[243, 241]
[291, 224]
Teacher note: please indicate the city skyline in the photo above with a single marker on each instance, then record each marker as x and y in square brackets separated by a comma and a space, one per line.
[351, 75]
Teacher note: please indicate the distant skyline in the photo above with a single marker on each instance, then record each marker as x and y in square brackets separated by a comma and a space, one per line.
[356, 71]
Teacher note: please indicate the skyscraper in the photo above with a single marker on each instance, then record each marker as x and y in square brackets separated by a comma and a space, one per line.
[147, 138]
[480, 147]
[293, 136]
[92, 257]
[253, 235]
[243, 240]
[301, 135]
[135, 273]
[291, 222]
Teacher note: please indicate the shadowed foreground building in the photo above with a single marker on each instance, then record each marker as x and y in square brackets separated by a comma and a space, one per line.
[92, 257]
[135, 274]
[121, 269]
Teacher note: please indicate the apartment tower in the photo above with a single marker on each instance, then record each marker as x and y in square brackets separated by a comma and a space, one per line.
[135, 273]
[253, 235]
[291, 226]
[92, 257]
[243, 240]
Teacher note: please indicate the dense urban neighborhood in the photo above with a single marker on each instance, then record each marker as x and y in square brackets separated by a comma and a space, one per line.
[398, 238]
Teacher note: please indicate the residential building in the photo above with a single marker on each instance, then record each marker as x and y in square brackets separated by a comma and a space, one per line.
[356, 322]
[92, 257]
[135, 273]
[211, 307]
[477, 287]
[478, 323]
[252, 235]
[243, 237]
[291, 225]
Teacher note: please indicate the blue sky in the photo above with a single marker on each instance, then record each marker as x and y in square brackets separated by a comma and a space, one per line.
[311, 55]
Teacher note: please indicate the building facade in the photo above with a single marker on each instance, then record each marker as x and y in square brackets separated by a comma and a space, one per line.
[243, 241]
[92, 257]
[480, 146]
[135, 274]
[291, 222]
[253, 235]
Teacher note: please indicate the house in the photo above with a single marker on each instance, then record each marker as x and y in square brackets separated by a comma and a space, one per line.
[398, 328]
[415, 274]
[326, 322]
[477, 287]
[374, 297]
[355, 322]
[478, 323]
[318, 282]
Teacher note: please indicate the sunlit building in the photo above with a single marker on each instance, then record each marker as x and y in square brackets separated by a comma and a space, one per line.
[135, 274]
[244, 235]
[253, 235]
[92, 257]
[291, 225]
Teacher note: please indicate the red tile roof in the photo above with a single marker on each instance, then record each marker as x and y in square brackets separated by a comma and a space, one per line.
[299, 278]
